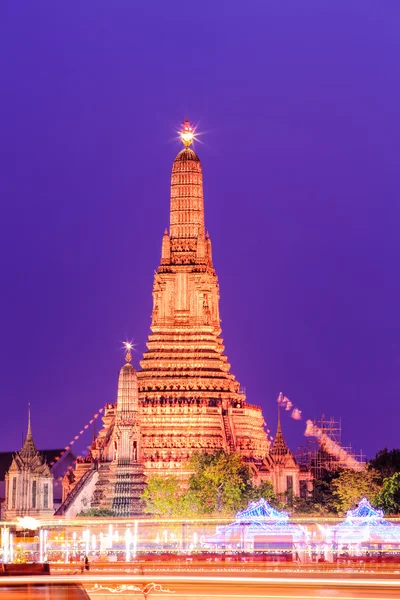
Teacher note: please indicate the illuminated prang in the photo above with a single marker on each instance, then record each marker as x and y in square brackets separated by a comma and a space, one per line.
[188, 399]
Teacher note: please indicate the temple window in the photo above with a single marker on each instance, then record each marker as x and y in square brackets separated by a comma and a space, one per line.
[34, 484]
[14, 492]
[46, 495]
[303, 489]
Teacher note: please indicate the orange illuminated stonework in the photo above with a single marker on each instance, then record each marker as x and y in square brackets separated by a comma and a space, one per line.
[188, 399]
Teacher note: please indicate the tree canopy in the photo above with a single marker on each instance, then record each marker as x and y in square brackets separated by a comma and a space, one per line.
[220, 484]
[350, 486]
[162, 496]
[96, 512]
[388, 497]
[386, 462]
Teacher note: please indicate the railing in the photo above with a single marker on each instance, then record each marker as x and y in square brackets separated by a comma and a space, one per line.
[228, 432]
[75, 491]
[253, 406]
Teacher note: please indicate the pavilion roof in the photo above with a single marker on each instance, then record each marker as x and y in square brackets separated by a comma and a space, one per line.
[366, 523]
[258, 519]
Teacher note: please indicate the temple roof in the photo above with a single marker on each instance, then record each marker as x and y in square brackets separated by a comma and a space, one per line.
[261, 510]
[29, 457]
[28, 450]
[279, 446]
[127, 387]
[48, 455]
[260, 518]
[366, 524]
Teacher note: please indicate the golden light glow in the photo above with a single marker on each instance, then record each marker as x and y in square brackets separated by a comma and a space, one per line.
[128, 347]
[28, 523]
[187, 133]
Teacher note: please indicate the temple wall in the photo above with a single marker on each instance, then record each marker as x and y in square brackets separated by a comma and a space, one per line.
[248, 428]
[178, 431]
[279, 479]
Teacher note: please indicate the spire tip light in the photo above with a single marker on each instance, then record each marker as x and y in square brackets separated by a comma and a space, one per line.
[187, 133]
[128, 347]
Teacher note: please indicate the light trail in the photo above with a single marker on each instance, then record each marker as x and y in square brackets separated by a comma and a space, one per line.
[199, 595]
[270, 581]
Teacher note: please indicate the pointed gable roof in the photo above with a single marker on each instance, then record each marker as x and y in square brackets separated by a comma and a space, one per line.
[28, 450]
[29, 456]
[280, 453]
[259, 518]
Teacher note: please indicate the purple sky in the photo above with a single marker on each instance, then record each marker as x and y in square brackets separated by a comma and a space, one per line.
[299, 105]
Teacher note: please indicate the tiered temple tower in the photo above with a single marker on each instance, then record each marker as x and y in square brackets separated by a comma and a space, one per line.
[112, 476]
[190, 400]
[121, 458]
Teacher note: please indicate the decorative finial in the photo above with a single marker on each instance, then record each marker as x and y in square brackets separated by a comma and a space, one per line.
[187, 133]
[128, 348]
[29, 420]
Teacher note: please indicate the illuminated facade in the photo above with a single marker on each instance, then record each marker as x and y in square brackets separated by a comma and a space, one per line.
[29, 482]
[365, 528]
[188, 399]
[258, 527]
[112, 476]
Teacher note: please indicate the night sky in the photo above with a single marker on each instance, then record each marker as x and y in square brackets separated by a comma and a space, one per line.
[298, 103]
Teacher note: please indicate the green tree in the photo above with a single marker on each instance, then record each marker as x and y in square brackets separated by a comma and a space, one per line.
[351, 486]
[389, 496]
[386, 462]
[256, 492]
[163, 496]
[220, 484]
[96, 512]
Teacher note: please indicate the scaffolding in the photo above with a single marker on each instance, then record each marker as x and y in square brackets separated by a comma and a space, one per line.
[315, 457]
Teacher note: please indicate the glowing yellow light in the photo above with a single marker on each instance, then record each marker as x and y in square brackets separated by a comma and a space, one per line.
[28, 523]
[187, 133]
[128, 347]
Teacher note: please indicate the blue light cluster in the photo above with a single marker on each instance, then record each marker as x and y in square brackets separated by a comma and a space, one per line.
[366, 524]
[258, 519]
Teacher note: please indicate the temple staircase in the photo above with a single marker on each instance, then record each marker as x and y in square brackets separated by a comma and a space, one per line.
[119, 488]
[102, 492]
[79, 488]
[128, 482]
[228, 431]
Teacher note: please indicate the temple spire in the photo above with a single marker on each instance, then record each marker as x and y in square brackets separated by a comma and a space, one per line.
[187, 205]
[29, 432]
[279, 446]
[127, 384]
[28, 447]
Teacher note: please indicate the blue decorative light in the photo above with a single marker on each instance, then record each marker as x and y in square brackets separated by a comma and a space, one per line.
[261, 511]
[365, 512]
[366, 524]
[258, 519]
